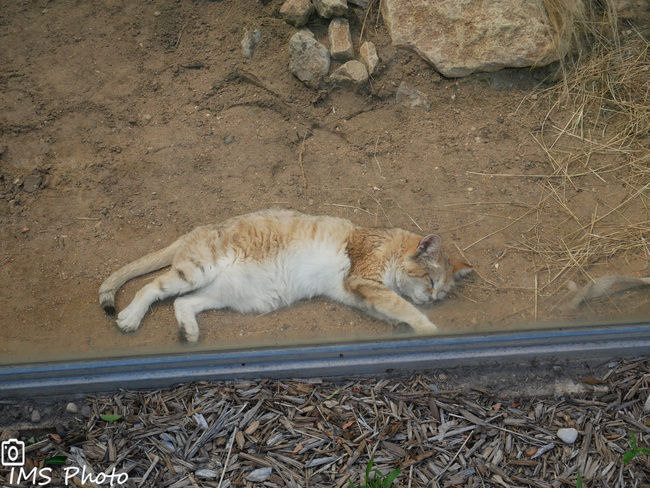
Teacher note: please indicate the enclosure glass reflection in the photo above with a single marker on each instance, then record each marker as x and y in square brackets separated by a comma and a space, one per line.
[537, 178]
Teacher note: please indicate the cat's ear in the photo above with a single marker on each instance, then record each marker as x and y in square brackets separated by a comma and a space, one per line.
[458, 268]
[429, 246]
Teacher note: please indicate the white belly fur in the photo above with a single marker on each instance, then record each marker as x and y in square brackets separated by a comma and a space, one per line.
[296, 274]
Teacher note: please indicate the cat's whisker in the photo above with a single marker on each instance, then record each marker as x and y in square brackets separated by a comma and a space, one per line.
[500, 230]
[348, 206]
[408, 215]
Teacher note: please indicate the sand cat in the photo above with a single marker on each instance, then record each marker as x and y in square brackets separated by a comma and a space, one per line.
[272, 258]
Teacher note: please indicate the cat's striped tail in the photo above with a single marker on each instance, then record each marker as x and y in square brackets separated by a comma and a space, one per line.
[146, 264]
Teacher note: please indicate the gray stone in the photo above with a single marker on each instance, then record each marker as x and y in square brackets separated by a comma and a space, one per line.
[412, 98]
[71, 407]
[86, 411]
[36, 416]
[331, 8]
[341, 48]
[32, 183]
[250, 41]
[368, 53]
[567, 436]
[310, 60]
[352, 74]
[297, 12]
[460, 37]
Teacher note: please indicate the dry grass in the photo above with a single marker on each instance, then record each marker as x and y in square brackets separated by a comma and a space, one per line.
[597, 129]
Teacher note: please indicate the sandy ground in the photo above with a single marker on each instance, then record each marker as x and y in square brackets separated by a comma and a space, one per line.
[125, 125]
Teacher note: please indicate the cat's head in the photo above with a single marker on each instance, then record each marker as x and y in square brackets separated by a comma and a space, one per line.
[427, 272]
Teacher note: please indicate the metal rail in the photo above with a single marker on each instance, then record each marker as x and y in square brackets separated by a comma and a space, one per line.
[346, 359]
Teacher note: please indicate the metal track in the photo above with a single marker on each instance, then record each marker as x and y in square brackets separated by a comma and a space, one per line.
[346, 359]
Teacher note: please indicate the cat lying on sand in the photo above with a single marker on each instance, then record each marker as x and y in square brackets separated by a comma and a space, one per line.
[272, 258]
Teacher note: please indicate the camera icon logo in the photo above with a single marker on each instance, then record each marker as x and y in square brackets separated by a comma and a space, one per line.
[12, 453]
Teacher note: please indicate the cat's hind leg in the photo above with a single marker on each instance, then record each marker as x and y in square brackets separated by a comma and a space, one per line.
[177, 281]
[188, 306]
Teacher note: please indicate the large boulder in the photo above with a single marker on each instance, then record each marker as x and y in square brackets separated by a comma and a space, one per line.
[459, 37]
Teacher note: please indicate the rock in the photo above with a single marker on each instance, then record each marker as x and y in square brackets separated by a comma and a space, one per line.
[297, 12]
[259, 475]
[86, 411]
[629, 9]
[341, 48]
[331, 8]
[460, 37]
[310, 60]
[368, 53]
[36, 416]
[412, 98]
[250, 41]
[71, 408]
[32, 183]
[352, 74]
[229, 140]
[567, 436]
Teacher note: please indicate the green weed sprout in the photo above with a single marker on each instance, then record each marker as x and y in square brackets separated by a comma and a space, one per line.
[634, 451]
[579, 481]
[379, 480]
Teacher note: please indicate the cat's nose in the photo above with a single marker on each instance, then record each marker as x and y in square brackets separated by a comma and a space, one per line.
[438, 295]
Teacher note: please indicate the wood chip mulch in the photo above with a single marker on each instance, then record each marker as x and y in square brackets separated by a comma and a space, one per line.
[317, 433]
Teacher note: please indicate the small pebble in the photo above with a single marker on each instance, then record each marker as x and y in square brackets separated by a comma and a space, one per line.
[568, 436]
[86, 411]
[229, 140]
[36, 416]
[71, 407]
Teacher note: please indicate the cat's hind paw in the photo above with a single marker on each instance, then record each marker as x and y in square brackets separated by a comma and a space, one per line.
[189, 337]
[189, 332]
[128, 322]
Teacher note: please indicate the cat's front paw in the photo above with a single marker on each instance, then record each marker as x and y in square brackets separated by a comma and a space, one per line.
[423, 326]
[402, 328]
[128, 321]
